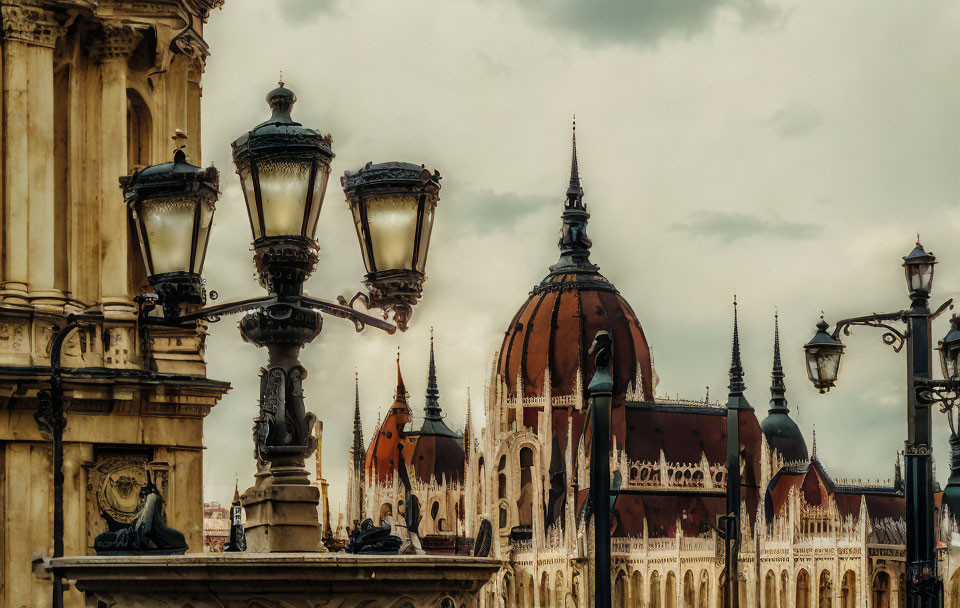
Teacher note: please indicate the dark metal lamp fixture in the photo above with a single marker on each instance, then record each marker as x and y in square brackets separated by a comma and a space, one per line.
[172, 206]
[823, 353]
[283, 168]
[393, 206]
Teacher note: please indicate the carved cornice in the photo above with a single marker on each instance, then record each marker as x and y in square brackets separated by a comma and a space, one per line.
[116, 41]
[31, 25]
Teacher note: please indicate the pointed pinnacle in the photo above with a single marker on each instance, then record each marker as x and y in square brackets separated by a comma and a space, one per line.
[778, 400]
[574, 167]
[432, 406]
[736, 367]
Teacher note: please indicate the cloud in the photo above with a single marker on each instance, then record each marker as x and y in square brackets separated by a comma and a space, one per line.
[795, 120]
[730, 227]
[646, 22]
[483, 211]
[302, 12]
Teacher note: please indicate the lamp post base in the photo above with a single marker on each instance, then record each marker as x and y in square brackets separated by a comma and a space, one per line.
[282, 511]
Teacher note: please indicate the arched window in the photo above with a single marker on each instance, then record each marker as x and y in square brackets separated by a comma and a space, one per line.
[689, 591]
[525, 501]
[654, 590]
[386, 510]
[703, 593]
[434, 509]
[561, 590]
[826, 590]
[509, 594]
[636, 590]
[503, 516]
[481, 486]
[770, 590]
[670, 591]
[803, 589]
[620, 591]
[881, 590]
[784, 588]
[544, 590]
[953, 599]
[848, 590]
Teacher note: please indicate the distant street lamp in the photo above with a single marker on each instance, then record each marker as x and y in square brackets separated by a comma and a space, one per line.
[823, 354]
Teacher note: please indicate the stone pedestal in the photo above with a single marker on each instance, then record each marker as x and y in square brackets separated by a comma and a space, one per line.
[282, 511]
[250, 580]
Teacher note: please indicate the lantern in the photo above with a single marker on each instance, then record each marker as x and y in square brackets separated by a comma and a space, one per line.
[823, 354]
[393, 206]
[172, 207]
[283, 168]
[918, 267]
[950, 350]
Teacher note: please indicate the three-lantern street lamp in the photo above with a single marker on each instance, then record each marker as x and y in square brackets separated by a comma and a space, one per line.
[823, 355]
[284, 170]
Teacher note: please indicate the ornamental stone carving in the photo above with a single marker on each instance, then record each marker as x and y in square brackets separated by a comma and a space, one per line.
[30, 25]
[115, 43]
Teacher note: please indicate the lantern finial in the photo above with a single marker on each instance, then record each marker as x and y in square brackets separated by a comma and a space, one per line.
[574, 243]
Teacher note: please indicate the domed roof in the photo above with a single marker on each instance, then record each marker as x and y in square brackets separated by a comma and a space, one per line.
[781, 431]
[554, 328]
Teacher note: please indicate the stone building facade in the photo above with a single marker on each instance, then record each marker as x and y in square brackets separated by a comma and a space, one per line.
[90, 90]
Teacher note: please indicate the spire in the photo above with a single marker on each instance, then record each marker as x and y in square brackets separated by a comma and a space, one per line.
[574, 243]
[813, 452]
[736, 368]
[432, 406]
[778, 400]
[358, 451]
[433, 423]
[236, 491]
[400, 396]
[574, 191]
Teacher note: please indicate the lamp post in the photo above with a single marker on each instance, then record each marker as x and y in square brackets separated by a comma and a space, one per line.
[823, 354]
[600, 390]
[284, 169]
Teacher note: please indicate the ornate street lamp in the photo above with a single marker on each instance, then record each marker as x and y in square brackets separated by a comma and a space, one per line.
[284, 168]
[918, 267]
[924, 587]
[393, 206]
[172, 206]
[823, 353]
[950, 350]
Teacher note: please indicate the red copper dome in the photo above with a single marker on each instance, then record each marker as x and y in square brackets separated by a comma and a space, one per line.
[556, 325]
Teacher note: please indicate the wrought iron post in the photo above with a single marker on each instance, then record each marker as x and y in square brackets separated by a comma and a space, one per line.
[601, 392]
[922, 580]
[50, 418]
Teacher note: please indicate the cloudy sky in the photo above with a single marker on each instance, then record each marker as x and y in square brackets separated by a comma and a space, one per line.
[786, 151]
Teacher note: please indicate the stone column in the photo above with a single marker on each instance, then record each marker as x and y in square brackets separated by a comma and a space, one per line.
[44, 30]
[111, 51]
[29, 34]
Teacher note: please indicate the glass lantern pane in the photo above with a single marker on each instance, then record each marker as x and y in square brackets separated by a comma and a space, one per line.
[425, 230]
[248, 193]
[356, 210]
[813, 368]
[283, 195]
[168, 223]
[392, 220]
[203, 236]
[829, 366]
[926, 277]
[319, 188]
